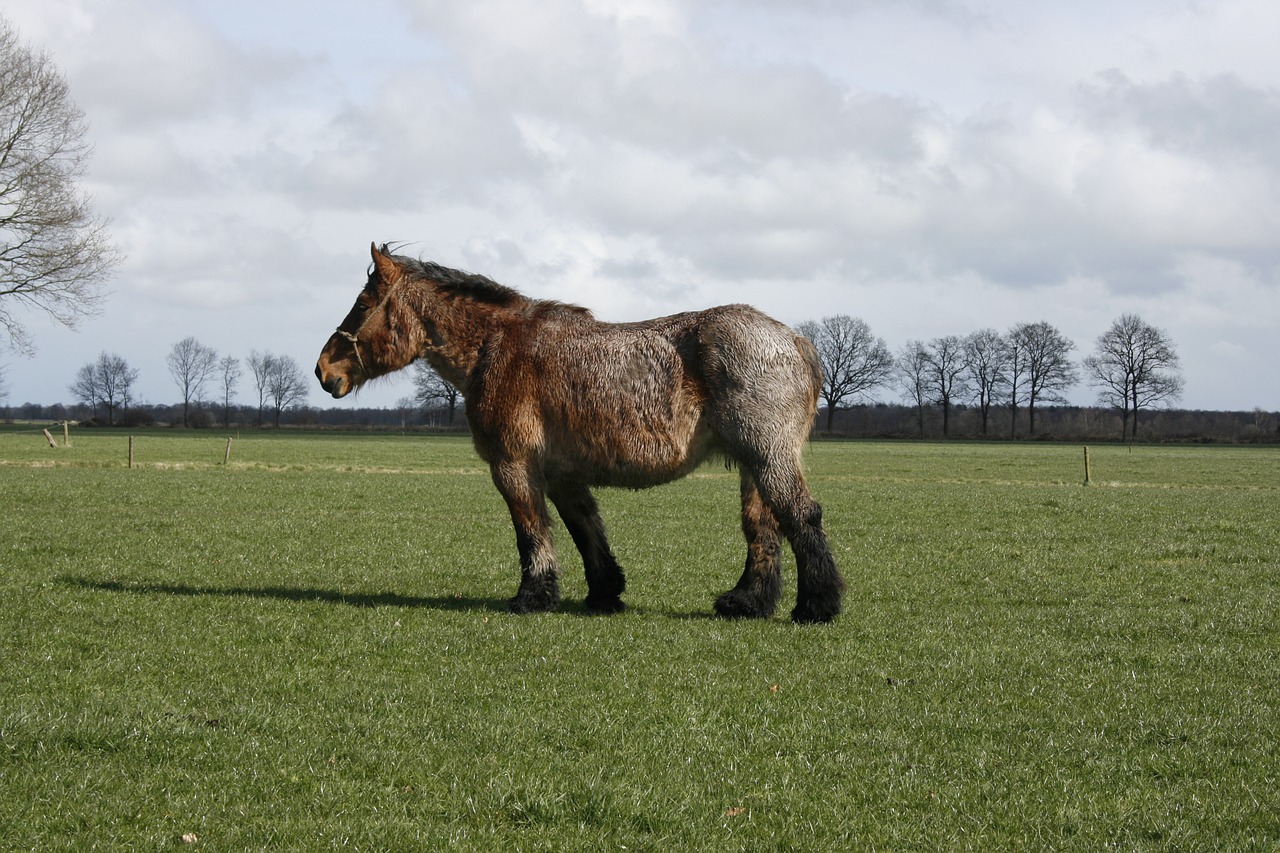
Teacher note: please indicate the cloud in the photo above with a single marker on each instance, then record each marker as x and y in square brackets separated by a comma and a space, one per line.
[409, 146]
[758, 165]
[1191, 163]
[173, 68]
[1216, 117]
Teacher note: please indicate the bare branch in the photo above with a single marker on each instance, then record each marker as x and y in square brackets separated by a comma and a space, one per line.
[55, 253]
[1134, 367]
[854, 361]
[105, 385]
[191, 364]
[430, 388]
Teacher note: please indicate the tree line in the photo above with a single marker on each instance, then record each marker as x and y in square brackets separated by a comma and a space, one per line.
[105, 386]
[1133, 368]
[207, 382]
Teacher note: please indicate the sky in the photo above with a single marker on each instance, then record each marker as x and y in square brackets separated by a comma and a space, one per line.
[934, 167]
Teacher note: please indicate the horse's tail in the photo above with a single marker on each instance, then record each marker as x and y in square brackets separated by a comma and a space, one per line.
[810, 354]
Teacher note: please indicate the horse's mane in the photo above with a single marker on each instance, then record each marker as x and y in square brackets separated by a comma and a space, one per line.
[458, 282]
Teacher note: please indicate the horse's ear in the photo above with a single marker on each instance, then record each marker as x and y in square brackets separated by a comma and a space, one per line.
[386, 266]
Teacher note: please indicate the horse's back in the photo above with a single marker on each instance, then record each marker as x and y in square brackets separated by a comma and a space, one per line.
[727, 356]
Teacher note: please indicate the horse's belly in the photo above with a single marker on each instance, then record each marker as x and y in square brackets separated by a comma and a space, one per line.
[620, 448]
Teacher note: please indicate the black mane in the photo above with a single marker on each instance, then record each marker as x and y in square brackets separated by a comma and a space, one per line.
[459, 283]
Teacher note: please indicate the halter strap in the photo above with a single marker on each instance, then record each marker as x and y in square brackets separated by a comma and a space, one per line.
[355, 346]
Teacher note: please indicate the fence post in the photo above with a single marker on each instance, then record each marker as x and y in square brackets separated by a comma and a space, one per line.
[130, 451]
[49, 438]
[66, 434]
[226, 459]
[1087, 473]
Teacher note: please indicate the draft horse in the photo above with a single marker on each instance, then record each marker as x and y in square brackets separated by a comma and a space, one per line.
[559, 402]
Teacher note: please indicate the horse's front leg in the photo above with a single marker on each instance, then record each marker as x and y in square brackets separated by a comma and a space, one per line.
[581, 515]
[522, 489]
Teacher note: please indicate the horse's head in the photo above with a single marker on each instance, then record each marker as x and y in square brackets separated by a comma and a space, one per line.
[377, 337]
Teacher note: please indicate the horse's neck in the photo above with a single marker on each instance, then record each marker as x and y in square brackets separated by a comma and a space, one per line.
[461, 329]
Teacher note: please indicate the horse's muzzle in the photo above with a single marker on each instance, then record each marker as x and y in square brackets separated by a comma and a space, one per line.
[336, 385]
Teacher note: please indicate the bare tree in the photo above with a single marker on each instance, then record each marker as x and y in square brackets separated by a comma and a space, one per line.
[945, 364]
[85, 388]
[1014, 358]
[55, 253]
[4, 393]
[229, 371]
[285, 383]
[853, 360]
[912, 372]
[1040, 353]
[405, 406]
[1134, 367]
[1264, 423]
[429, 389]
[984, 352]
[105, 384]
[259, 364]
[191, 364]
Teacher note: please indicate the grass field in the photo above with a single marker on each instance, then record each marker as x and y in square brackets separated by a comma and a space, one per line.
[307, 649]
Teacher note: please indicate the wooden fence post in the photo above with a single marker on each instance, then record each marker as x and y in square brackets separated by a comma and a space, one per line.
[49, 438]
[130, 451]
[66, 434]
[226, 459]
[1087, 473]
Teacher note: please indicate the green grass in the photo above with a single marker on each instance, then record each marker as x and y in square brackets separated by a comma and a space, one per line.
[308, 649]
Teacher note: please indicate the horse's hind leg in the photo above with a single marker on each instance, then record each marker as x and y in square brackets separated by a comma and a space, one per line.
[581, 516]
[539, 586]
[818, 582]
[757, 592]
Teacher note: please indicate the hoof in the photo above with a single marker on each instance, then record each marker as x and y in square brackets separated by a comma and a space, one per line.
[736, 604]
[814, 613]
[524, 603]
[605, 606]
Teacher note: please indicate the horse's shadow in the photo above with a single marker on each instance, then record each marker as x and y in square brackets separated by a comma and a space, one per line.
[297, 594]
[454, 603]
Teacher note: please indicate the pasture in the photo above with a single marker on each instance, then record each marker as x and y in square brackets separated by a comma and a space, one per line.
[308, 648]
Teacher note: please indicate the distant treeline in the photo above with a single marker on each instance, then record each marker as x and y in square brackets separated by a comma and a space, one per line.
[1059, 423]
[208, 416]
[877, 420]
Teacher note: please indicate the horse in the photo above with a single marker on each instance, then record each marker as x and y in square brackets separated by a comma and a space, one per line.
[560, 403]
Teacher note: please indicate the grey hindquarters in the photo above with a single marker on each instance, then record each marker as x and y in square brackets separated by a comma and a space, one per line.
[761, 400]
[760, 384]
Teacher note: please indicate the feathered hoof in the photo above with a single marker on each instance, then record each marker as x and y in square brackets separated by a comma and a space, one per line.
[538, 602]
[739, 604]
[605, 606]
[815, 612]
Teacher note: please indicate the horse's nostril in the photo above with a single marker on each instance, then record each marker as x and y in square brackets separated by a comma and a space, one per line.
[328, 385]
[334, 385]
